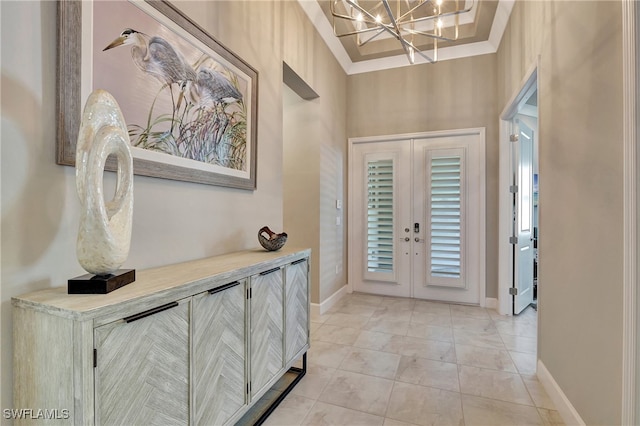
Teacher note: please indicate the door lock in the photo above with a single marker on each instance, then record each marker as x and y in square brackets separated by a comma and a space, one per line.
[416, 227]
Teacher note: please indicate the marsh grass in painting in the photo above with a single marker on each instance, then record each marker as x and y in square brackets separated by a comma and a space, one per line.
[214, 135]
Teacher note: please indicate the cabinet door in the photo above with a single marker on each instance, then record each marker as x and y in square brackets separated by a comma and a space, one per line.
[296, 308]
[266, 328]
[219, 354]
[142, 369]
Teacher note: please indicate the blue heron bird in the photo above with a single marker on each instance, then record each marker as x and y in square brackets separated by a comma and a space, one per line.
[155, 56]
[214, 88]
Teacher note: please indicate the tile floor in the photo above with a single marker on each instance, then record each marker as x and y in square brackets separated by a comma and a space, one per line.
[391, 361]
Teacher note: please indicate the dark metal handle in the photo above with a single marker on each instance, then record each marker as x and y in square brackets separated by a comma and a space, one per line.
[298, 261]
[269, 271]
[223, 287]
[150, 312]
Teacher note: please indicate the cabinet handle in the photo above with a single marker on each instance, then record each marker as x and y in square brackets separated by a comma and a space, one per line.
[150, 312]
[269, 271]
[223, 287]
[299, 261]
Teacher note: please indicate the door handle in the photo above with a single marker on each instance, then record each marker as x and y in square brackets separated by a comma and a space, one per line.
[417, 240]
[407, 239]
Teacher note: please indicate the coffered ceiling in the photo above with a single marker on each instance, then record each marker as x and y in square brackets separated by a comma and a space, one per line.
[480, 32]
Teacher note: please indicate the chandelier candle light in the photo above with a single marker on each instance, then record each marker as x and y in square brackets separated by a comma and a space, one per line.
[413, 19]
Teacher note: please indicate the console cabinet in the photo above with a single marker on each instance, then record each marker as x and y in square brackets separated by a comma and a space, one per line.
[196, 343]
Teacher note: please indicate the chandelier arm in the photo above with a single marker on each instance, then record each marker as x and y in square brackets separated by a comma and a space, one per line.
[351, 18]
[380, 31]
[427, 58]
[397, 33]
[360, 9]
[422, 33]
[366, 30]
[410, 11]
[442, 15]
[336, 14]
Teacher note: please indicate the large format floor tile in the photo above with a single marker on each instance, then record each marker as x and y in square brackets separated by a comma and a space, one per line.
[390, 361]
[373, 363]
[483, 411]
[493, 384]
[426, 372]
[327, 414]
[422, 405]
[358, 392]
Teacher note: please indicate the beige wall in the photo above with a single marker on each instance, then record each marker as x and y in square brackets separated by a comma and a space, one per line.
[447, 95]
[301, 183]
[581, 157]
[315, 153]
[173, 221]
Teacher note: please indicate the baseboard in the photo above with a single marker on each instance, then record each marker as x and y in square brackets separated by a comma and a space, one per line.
[568, 413]
[318, 309]
[491, 303]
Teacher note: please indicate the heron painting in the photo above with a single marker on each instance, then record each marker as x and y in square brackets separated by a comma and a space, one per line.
[185, 104]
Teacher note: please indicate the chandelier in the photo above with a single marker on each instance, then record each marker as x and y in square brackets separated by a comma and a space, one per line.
[408, 21]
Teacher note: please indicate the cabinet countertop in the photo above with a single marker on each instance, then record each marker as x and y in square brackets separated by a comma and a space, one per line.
[157, 285]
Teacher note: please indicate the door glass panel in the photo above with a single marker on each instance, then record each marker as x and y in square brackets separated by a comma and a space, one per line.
[525, 188]
[445, 212]
[380, 202]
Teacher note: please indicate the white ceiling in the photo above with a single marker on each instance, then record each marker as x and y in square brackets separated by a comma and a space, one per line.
[464, 47]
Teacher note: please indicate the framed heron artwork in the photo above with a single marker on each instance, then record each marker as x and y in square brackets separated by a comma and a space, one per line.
[190, 103]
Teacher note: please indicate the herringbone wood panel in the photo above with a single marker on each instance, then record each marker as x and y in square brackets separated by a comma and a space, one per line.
[266, 329]
[219, 362]
[143, 369]
[297, 309]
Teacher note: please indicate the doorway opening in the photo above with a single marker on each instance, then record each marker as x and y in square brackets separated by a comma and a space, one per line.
[518, 215]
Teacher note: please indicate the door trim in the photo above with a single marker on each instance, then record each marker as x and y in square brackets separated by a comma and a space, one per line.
[505, 261]
[630, 349]
[407, 137]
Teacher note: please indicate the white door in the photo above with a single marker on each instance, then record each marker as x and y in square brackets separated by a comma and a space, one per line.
[379, 174]
[523, 252]
[448, 195]
[417, 216]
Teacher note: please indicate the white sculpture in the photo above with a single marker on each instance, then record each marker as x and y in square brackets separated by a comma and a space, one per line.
[105, 226]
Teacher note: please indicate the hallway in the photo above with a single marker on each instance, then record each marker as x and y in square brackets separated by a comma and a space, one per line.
[390, 361]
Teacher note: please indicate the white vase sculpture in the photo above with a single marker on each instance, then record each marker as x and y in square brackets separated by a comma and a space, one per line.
[105, 226]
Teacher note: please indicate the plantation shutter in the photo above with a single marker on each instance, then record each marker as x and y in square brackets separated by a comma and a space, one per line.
[446, 218]
[380, 247]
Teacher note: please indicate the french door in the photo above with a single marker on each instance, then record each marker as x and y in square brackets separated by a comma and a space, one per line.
[417, 215]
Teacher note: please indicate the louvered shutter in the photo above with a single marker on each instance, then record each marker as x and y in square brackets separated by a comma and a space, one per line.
[445, 255]
[380, 208]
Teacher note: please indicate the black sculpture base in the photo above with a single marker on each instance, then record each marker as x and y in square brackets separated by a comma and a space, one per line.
[100, 284]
